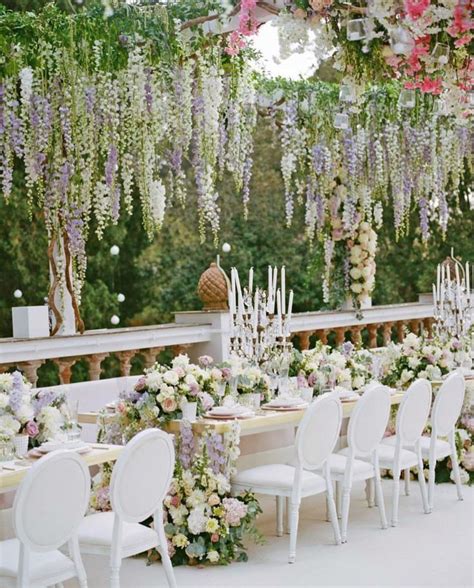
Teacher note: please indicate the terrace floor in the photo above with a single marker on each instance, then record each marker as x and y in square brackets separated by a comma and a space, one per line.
[424, 550]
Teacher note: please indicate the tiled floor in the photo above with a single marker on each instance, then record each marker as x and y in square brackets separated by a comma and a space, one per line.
[424, 550]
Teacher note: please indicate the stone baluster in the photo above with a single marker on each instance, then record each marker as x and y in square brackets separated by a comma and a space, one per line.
[4, 367]
[304, 337]
[181, 348]
[150, 356]
[125, 359]
[373, 334]
[428, 325]
[322, 335]
[415, 326]
[356, 334]
[387, 333]
[340, 336]
[400, 331]
[31, 369]
[95, 365]
[65, 368]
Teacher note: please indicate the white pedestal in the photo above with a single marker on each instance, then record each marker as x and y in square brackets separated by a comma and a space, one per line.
[30, 321]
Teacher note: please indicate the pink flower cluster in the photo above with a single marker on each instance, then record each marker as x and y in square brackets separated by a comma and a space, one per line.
[235, 510]
[248, 26]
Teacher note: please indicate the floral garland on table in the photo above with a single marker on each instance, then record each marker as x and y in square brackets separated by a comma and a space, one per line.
[41, 414]
[417, 357]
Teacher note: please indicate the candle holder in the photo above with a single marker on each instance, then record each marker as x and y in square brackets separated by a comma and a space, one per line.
[453, 300]
[260, 335]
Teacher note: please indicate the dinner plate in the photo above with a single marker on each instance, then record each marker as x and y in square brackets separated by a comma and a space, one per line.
[285, 408]
[229, 417]
[78, 446]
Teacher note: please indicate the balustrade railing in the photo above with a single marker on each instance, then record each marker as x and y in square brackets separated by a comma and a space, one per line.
[205, 332]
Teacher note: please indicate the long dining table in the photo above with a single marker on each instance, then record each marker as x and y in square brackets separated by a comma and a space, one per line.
[13, 472]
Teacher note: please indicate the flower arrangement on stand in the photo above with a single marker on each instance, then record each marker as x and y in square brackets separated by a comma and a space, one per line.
[362, 265]
[205, 524]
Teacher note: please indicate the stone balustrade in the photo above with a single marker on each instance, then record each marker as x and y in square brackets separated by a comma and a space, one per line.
[205, 332]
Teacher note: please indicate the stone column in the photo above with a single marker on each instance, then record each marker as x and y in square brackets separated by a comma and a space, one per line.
[322, 336]
[125, 358]
[182, 348]
[65, 368]
[372, 334]
[304, 337]
[340, 335]
[150, 356]
[31, 369]
[356, 334]
[94, 365]
[400, 330]
[387, 333]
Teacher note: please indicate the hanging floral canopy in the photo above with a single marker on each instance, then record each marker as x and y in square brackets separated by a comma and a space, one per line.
[102, 107]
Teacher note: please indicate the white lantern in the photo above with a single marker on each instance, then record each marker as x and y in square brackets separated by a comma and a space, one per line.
[115, 320]
[226, 248]
[121, 297]
[114, 250]
[341, 121]
[356, 30]
[17, 293]
[407, 99]
[441, 53]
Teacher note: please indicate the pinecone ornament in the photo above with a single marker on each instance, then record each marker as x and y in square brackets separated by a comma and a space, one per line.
[213, 288]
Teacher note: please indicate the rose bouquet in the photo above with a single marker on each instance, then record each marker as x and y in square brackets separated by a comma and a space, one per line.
[417, 357]
[252, 380]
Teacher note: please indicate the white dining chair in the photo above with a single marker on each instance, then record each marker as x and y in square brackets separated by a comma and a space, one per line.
[366, 429]
[140, 480]
[444, 416]
[393, 453]
[49, 505]
[315, 440]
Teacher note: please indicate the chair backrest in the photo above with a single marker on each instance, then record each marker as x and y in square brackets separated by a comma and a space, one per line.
[51, 501]
[448, 404]
[369, 419]
[413, 412]
[142, 475]
[318, 431]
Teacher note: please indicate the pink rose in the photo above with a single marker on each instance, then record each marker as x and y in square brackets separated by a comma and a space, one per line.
[180, 371]
[214, 538]
[31, 428]
[169, 405]
[141, 384]
[175, 501]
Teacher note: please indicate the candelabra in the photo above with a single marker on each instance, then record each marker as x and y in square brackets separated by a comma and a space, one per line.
[453, 301]
[260, 334]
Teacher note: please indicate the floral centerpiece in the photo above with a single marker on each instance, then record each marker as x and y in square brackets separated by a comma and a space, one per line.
[42, 415]
[252, 380]
[324, 367]
[418, 357]
[160, 394]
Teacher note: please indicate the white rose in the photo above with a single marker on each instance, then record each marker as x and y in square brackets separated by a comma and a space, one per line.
[406, 376]
[171, 377]
[190, 379]
[3, 400]
[25, 413]
[367, 272]
[355, 273]
[364, 226]
[358, 382]
[356, 251]
[363, 238]
[153, 381]
[356, 288]
[213, 556]
[413, 362]
[9, 426]
[5, 382]
[180, 361]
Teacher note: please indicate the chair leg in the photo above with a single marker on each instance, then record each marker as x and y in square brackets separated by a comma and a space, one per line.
[369, 492]
[287, 516]
[339, 499]
[163, 549]
[115, 576]
[431, 483]
[333, 514]
[422, 483]
[75, 553]
[295, 511]
[380, 500]
[346, 501]
[457, 474]
[406, 476]
[279, 515]
[395, 496]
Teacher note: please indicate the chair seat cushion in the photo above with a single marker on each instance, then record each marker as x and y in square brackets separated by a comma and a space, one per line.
[386, 453]
[338, 463]
[96, 532]
[42, 566]
[269, 479]
[442, 448]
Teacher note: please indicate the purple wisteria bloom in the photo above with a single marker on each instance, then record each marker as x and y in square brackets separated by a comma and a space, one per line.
[17, 391]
